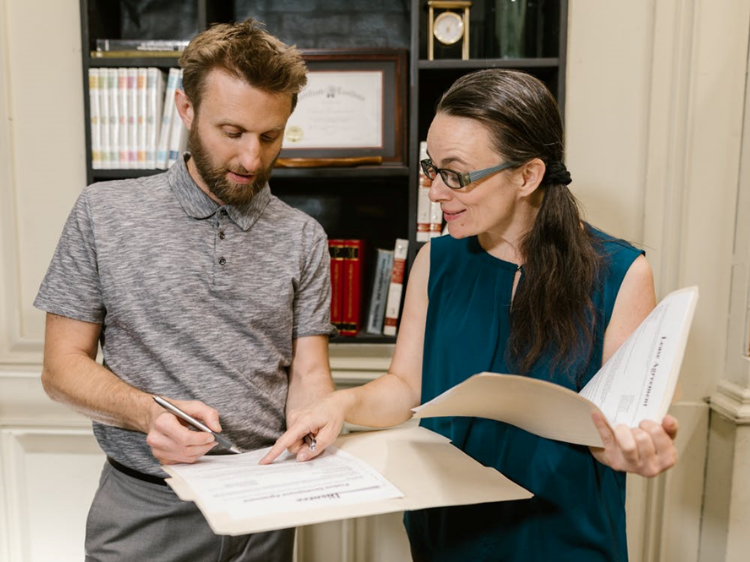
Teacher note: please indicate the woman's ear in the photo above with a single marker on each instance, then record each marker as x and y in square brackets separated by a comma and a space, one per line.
[532, 173]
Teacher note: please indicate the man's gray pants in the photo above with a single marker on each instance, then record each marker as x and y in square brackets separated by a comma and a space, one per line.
[133, 520]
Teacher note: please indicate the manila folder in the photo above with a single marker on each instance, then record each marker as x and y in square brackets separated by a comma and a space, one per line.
[425, 466]
[540, 407]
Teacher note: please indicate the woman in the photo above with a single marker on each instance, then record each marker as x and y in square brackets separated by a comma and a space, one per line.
[521, 285]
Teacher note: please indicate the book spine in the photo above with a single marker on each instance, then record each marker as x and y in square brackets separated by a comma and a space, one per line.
[142, 86]
[114, 118]
[353, 276]
[396, 287]
[379, 294]
[104, 113]
[168, 111]
[141, 44]
[153, 114]
[177, 134]
[336, 250]
[95, 119]
[122, 96]
[423, 199]
[132, 117]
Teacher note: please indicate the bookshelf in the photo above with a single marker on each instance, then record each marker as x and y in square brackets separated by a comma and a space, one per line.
[374, 203]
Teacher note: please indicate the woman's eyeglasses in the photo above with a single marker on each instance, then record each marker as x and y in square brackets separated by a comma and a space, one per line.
[457, 180]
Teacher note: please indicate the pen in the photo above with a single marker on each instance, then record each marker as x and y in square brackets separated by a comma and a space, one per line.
[310, 441]
[223, 441]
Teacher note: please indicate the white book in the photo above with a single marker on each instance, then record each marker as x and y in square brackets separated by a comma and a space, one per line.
[95, 119]
[141, 115]
[168, 111]
[114, 118]
[637, 383]
[423, 199]
[177, 134]
[436, 219]
[124, 99]
[155, 89]
[379, 294]
[104, 117]
[396, 287]
[423, 213]
[132, 117]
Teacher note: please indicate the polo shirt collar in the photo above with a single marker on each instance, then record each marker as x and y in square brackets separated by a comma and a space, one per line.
[198, 205]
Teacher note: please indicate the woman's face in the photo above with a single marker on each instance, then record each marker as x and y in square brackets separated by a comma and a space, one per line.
[489, 205]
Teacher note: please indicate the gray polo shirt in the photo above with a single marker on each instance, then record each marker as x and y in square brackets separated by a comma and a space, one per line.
[196, 301]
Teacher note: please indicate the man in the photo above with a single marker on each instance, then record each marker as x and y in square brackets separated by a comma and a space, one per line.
[201, 287]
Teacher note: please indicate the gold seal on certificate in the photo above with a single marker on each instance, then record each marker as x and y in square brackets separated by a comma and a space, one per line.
[293, 134]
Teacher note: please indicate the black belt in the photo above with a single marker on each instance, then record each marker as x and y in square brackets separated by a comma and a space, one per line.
[135, 474]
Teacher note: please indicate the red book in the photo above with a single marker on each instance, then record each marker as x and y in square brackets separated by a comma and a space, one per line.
[396, 289]
[353, 276]
[336, 250]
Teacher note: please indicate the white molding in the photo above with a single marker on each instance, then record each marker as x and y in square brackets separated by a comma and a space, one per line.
[669, 123]
[23, 403]
[732, 402]
[664, 214]
[14, 347]
[738, 337]
[356, 364]
[16, 444]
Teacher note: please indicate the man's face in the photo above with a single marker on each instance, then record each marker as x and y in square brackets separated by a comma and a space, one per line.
[235, 138]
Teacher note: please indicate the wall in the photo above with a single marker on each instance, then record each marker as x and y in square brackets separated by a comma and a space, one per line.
[654, 119]
[655, 106]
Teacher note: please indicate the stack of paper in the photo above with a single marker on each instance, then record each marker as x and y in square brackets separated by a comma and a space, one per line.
[366, 474]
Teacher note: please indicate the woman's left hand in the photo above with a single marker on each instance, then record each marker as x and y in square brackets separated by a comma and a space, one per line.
[647, 450]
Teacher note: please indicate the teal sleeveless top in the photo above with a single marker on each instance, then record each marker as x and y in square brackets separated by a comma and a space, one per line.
[577, 513]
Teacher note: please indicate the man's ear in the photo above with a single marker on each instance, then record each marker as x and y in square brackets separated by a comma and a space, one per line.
[532, 173]
[184, 108]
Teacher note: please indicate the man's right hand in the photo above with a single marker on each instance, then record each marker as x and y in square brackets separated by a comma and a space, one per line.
[172, 441]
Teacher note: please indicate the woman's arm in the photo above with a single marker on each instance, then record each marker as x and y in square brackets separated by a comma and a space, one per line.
[384, 402]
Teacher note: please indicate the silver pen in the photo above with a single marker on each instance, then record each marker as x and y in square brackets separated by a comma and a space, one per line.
[309, 441]
[223, 441]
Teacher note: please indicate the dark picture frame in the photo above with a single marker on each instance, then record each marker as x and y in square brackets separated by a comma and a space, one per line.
[326, 66]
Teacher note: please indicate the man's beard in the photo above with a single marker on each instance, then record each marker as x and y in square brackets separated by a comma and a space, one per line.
[215, 176]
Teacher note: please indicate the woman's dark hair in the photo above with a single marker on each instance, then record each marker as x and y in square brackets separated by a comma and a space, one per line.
[552, 308]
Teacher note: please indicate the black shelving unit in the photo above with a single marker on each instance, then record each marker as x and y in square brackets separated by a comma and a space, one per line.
[375, 203]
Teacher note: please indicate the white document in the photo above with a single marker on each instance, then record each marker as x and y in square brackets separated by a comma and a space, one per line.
[408, 468]
[639, 380]
[240, 486]
[635, 384]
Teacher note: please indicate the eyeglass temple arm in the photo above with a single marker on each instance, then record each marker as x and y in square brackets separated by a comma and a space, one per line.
[469, 177]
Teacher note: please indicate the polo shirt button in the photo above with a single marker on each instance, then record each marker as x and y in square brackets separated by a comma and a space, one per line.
[224, 212]
[222, 261]
[222, 235]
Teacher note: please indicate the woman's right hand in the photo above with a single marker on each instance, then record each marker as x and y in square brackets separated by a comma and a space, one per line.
[322, 421]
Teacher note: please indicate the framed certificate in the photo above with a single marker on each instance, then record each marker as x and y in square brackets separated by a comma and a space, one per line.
[353, 106]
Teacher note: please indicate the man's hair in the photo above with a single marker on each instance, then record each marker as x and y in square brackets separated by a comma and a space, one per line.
[244, 50]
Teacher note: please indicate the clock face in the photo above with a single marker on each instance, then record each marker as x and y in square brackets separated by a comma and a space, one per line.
[448, 28]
